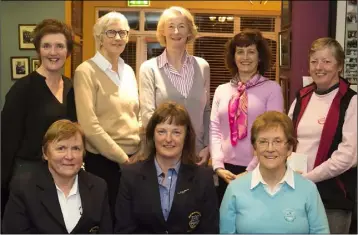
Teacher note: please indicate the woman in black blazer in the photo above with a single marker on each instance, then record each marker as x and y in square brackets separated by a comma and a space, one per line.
[168, 192]
[59, 197]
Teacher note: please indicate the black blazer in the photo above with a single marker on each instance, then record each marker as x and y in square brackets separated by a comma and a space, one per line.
[194, 209]
[33, 206]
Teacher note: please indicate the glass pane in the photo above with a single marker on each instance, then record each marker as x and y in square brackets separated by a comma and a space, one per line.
[154, 49]
[129, 54]
[212, 50]
[132, 17]
[213, 23]
[261, 23]
[151, 20]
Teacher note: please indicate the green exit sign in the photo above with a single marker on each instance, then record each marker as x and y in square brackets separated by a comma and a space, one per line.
[138, 3]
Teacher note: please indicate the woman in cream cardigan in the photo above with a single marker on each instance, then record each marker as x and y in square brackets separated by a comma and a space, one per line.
[106, 94]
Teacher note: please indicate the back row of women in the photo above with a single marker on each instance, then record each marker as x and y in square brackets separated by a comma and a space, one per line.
[114, 116]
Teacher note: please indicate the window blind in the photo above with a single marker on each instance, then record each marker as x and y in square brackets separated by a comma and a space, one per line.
[212, 50]
[129, 54]
[264, 24]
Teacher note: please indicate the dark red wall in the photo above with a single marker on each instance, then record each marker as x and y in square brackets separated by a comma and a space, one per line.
[310, 20]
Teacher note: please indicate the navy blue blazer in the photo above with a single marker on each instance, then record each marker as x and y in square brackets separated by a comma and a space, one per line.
[33, 206]
[194, 209]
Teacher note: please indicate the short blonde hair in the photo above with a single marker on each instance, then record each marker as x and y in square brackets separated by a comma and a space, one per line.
[336, 49]
[62, 130]
[102, 24]
[178, 11]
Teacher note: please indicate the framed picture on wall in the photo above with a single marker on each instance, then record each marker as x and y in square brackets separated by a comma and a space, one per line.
[285, 14]
[26, 36]
[285, 49]
[35, 63]
[351, 43]
[19, 67]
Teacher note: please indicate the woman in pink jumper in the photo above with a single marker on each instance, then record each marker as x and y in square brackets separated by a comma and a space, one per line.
[237, 103]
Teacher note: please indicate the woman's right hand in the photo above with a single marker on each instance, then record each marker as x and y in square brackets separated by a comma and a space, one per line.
[226, 175]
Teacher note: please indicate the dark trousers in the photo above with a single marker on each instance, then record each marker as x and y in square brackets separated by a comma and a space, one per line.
[222, 184]
[107, 170]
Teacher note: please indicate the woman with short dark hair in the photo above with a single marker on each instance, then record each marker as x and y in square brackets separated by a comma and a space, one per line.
[237, 103]
[168, 192]
[35, 101]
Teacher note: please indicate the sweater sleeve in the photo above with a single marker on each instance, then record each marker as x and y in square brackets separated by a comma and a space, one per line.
[228, 212]
[146, 92]
[12, 127]
[317, 218]
[215, 134]
[85, 97]
[275, 100]
[345, 157]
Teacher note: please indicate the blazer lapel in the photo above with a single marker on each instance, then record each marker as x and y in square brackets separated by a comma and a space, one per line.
[150, 179]
[84, 186]
[49, 198]
[184, 184]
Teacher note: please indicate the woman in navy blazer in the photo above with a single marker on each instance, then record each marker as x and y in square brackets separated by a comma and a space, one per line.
[167, 192]
[37, 197]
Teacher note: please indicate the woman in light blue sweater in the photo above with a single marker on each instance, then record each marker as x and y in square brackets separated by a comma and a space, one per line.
[272, 198]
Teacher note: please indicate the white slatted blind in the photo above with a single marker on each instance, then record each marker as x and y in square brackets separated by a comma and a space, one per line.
[212, 50]
[129, 54]
[215, 30]
[264, 24]
[271, 73]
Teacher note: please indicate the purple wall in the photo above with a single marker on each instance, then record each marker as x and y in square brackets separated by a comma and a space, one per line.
[310, 20]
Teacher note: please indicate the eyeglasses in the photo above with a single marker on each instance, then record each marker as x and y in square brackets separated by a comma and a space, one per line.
[276, 144]
[113, 33]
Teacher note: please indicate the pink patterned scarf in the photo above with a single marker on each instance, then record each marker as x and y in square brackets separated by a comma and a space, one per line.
[237, 109]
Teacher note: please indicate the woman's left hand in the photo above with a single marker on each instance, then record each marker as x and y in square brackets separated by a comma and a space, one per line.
[204, 156]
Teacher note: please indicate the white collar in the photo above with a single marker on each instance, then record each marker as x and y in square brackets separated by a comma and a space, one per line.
[104, 64]
[257, 178]
[74, 189]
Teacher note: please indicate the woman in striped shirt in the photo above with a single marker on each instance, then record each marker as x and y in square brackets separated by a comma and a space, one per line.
[177, 76]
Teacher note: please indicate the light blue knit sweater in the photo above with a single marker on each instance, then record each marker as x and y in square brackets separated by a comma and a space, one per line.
[298, 210]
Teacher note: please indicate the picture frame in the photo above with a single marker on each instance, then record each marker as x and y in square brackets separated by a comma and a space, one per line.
[19, 67]
[35, 63]
[26, 36]
[351, 43]
[286, 16]
[285, 49]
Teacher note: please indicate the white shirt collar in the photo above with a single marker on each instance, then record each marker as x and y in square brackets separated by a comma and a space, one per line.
[104, 64]
[74, 189]
[257, 178]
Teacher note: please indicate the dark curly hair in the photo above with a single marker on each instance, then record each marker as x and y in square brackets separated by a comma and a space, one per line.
[53, 26]
[247, 38]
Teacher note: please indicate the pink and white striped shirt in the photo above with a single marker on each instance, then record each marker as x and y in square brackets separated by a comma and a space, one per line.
[182, 80]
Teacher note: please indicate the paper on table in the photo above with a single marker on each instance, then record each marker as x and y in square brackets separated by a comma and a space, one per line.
[298, 162]
[306, 80]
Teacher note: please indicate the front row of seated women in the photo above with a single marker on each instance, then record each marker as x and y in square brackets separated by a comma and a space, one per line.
[167, 192]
